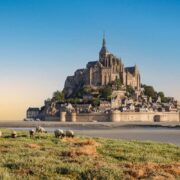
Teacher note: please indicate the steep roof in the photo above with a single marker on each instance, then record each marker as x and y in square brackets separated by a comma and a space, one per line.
[80, 70]
[33, 109]
[92, 63]
[131, 69]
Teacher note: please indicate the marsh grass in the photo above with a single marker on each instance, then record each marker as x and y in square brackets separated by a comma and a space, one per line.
[46, 157]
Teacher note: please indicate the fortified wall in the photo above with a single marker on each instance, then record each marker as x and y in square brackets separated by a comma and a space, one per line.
[117, 116]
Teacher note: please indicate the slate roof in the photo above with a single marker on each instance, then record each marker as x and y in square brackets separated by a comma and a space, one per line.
[92, 63]
[130, 69]
[80, 70]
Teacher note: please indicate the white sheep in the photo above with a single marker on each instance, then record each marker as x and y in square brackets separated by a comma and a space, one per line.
[69, 133]
[14, 134]
[40, 129]
[31, 132]
[59, 133]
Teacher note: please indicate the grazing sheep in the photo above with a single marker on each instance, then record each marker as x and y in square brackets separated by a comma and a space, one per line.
[59, 133]
[69, 133]
[40, 129]
[14, 134]
[0, 134]
[31, 132]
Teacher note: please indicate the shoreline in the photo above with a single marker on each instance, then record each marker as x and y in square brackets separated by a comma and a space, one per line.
[90, 125]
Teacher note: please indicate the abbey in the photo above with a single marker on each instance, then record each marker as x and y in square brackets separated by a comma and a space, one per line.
[100, 73]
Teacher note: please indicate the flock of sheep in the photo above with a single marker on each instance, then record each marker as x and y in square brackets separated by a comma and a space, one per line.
[58, 132]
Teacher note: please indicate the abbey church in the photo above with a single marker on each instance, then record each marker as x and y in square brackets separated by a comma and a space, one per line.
[100, 73]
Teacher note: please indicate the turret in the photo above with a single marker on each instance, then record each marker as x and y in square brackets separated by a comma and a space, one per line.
[135, 69]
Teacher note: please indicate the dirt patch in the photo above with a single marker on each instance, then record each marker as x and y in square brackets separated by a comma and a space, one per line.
[81, 147]
[24, 172]
[66, 139]
[85, 150]
[89, 142]
[153, 170]
[34, 146]
[4, 150]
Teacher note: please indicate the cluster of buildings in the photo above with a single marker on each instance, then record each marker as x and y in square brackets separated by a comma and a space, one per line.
[142, 103]
[119, 101]
[98, 75]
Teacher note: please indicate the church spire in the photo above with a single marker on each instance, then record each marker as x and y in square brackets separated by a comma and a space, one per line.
[103, 52]
[104, 40]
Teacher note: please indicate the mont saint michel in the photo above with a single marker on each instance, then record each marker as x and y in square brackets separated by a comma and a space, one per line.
[106, 70]
[106, 90]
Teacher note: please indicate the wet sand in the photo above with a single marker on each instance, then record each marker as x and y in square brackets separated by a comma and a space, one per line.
[143, 131]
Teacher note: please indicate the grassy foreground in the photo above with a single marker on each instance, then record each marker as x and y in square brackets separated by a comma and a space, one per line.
[45, 157]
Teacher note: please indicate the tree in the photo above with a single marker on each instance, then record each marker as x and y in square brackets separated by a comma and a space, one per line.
[117, 83]
[106, 92]
[95, 102]
[161, 95]
[87, 90]
[130, 90]
[59, 96]
[73, 100]
[149, 91]
[83, 91]
[163, 98]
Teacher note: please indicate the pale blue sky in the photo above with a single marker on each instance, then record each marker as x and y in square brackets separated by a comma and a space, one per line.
[43, 41]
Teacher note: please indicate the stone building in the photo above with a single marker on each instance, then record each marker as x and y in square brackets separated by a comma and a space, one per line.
[32, 113]
[100, 73]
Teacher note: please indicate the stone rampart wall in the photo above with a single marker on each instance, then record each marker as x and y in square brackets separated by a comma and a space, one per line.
[90, 117]
[118, 116]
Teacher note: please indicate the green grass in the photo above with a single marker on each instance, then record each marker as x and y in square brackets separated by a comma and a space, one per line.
[46, 157]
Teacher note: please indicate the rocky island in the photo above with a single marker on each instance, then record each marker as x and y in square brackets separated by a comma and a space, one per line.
[106, 90]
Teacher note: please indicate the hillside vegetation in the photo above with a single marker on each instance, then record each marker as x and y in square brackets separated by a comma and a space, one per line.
[46, 157]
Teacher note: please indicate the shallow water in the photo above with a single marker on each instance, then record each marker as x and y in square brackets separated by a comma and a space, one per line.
[163, 135]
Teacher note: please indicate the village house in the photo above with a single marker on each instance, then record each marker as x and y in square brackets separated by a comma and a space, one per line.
[32, 113]
[104, 106]
[83, 108]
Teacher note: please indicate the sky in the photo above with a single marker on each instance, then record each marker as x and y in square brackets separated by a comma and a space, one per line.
[44, 41]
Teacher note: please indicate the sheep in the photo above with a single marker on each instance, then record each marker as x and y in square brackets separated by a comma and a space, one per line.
[31, 132]
[59, 133]
[69, 133]
[0, 134]
[14, 134]
[40, 129]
